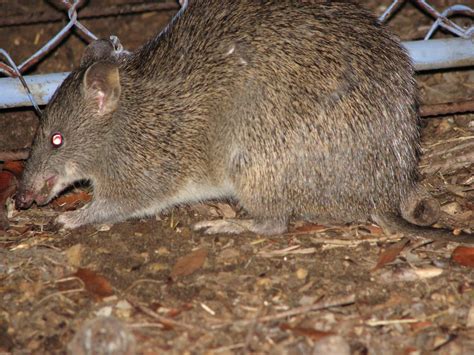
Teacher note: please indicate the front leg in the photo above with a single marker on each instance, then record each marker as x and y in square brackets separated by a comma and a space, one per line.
[94, 212]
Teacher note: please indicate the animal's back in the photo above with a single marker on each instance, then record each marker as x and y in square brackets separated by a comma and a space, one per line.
[302, 108]
[312, 106]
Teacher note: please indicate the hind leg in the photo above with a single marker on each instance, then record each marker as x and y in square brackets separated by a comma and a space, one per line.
[268, 217]
[258, 187]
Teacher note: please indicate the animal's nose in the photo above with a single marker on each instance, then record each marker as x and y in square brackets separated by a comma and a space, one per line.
[24, 199]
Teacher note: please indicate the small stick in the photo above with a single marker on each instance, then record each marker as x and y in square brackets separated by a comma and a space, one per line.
[293, 250]
[355, 242]
[165, 320]
[333, 302]
[60, 294]
[461, 146]
[457, 139]
[455, 163]
[376, 323]
[447, 108]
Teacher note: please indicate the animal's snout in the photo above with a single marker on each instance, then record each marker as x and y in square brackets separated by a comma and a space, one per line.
[24, 198]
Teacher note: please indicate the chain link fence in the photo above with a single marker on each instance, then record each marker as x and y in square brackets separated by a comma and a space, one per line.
[36, 90]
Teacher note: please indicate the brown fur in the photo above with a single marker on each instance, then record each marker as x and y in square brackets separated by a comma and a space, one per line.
[294, 108]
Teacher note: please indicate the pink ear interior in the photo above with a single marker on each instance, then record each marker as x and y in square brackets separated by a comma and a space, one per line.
[102, 86]
[100, 96]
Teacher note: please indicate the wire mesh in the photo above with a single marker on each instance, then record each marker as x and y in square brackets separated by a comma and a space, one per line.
[441, 20]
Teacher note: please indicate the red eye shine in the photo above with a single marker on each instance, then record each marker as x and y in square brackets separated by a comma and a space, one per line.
[57, 140]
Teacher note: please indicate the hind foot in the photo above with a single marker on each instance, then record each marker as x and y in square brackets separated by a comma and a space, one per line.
[237, 226]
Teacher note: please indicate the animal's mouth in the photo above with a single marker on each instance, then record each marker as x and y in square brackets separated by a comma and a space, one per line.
[44, 194]
[26, 197]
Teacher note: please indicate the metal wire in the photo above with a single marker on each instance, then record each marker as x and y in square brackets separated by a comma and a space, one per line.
[23, 82]
[440, 20]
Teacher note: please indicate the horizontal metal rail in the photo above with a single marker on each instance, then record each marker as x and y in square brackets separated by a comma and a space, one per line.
[19, 90]
[426, 55]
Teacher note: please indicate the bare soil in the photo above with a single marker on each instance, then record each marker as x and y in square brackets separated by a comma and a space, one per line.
[155, 286]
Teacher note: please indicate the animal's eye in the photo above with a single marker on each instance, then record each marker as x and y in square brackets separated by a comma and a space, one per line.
[57, 140]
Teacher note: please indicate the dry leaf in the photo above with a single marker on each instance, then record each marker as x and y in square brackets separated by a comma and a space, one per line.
[96, 284]
[190, 263]
[391, 253]
[71, 201]
[464, 256]
[15, 167]
[307, 332]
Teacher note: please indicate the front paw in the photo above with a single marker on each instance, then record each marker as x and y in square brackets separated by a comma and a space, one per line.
[70, 220]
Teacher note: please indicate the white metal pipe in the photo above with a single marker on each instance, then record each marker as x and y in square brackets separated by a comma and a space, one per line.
[426, 55]
[13, 94]
[441, 53]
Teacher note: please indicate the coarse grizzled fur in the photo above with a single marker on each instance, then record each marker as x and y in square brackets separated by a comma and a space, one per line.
[302, 109]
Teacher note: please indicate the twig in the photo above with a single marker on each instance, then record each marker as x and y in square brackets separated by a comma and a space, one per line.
[207, 309]
[146, 325]
[165, 320]
[60, 294]
[452, 164]
[355, 242]
[447, 108]
[293, 250]
[457, 139]
[333, 302]
[460, 146]
[376, 323]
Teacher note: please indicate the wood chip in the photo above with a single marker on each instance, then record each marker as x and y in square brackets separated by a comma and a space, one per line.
[190, 263]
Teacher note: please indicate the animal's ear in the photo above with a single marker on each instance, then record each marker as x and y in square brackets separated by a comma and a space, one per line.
[101, 49]
[101, 87]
